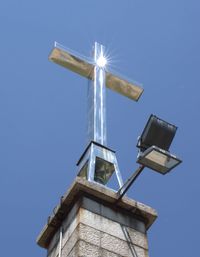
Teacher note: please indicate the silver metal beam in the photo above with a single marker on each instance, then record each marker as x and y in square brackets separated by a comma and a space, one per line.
[97, 102]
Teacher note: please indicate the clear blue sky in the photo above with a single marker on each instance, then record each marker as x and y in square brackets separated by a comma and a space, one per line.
[43, 111]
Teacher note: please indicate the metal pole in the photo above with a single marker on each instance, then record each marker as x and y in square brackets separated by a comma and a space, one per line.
[60, 243]
[129, 182]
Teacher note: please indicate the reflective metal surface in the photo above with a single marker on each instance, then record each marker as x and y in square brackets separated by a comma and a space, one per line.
[97, 101]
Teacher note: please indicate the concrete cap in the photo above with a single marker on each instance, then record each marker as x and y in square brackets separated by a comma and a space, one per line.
[81, 187]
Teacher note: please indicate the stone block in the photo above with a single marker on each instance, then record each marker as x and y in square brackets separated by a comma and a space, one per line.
[113, 228]
[83, 249]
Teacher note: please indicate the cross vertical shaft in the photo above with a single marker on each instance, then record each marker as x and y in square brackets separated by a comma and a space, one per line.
[97, 100]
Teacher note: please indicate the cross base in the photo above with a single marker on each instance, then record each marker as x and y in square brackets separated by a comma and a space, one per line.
[98, 163]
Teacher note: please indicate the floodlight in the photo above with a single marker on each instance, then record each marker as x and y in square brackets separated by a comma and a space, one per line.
[153, 153]
[154, 144]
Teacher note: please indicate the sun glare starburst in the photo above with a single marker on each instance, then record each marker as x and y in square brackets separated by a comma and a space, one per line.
[102, 61]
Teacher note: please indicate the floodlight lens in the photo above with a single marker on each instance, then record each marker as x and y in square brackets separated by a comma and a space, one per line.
[158, 160]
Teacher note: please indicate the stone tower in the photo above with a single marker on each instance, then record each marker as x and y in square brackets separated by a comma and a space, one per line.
[90, 222]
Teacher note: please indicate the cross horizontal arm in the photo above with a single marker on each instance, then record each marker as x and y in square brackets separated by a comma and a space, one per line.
[86, 69]
[123, 87]
[72, 62]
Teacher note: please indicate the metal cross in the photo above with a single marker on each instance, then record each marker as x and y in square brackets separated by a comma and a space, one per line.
[98, 162]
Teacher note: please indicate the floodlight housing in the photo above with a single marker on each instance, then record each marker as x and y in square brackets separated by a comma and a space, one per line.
[157, 132]
[154, 146]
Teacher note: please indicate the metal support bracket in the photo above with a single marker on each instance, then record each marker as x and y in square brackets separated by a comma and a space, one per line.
[122, 191]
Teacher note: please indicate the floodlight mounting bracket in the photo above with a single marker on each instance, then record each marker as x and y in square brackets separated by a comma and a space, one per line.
[122, 191]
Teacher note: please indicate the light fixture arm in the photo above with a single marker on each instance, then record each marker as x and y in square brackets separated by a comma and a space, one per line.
[121, 192]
